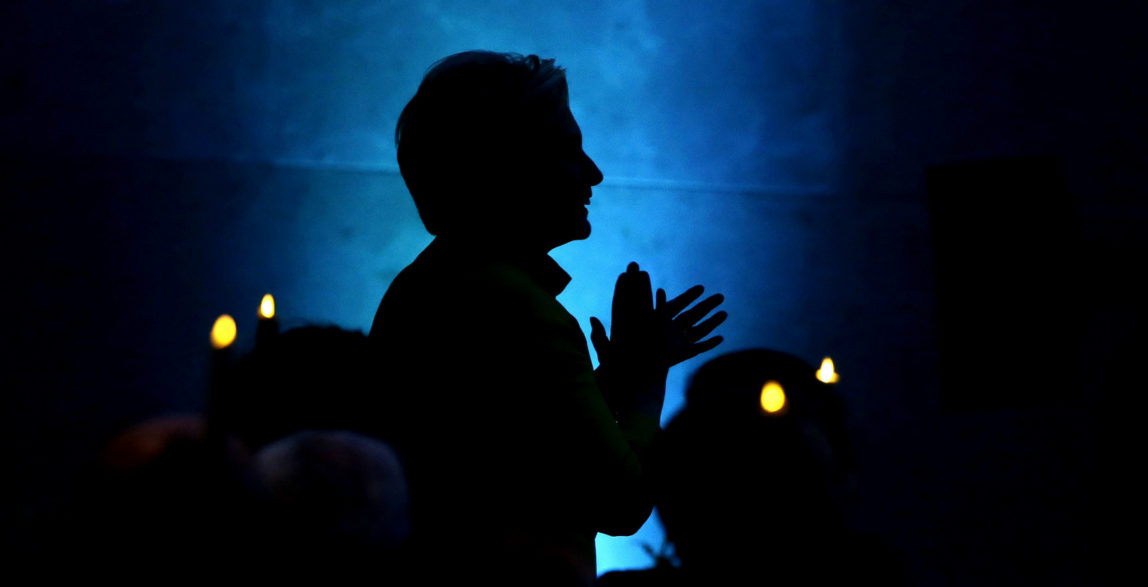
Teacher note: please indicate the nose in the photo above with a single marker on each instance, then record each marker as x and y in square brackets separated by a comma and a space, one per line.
[592, 173]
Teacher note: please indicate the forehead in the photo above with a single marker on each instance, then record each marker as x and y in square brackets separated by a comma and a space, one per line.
[556, 124]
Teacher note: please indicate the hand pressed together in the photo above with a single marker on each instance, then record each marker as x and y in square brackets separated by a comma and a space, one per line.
[651, 335]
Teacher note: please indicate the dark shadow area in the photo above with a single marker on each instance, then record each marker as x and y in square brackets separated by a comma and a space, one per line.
[1007, 260]
[754, 480]
[273, 484]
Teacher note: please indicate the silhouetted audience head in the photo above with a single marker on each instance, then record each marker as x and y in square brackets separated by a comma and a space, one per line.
[336, 486]
[742, 487]
[735, 380]
[176, 491]
[483, 136]
[332, 499]
[313, 377]
[160, 498]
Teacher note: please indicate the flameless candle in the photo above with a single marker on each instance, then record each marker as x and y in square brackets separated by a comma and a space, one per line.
[826, 374]
[267, 307]
[223, 334]
[268, 325]
[772, 397]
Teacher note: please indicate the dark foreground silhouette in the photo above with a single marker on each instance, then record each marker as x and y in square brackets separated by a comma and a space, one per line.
[278, 485]
[750, 497]
[518, 452]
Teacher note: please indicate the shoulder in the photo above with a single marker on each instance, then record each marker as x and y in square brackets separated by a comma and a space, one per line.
[440, 289]
[453, 284]
[663, 576]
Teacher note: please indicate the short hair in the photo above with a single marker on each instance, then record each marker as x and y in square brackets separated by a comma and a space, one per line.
[464, 128]
[334, 488]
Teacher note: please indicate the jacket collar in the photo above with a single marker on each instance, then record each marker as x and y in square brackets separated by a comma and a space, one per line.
[539, 267]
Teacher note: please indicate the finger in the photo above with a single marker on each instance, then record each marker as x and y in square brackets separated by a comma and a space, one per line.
[633, 290]
[645, 291]
[623, 302]
[699, 311]
[686, 298]
[706, 345]
[696, 349]
[660, 300]
[701, 347]
[596, 328]
[631, 273]
[702, 330]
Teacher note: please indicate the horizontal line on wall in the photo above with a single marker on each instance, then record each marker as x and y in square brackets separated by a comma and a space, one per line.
[631, 183]
[677, 185]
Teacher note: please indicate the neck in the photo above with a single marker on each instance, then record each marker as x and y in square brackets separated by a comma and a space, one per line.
[499, 241]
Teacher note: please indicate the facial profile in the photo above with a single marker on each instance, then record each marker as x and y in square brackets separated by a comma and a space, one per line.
[558, 183]
[488, 148]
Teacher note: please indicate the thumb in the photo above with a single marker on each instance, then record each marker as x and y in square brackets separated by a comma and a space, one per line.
[598, 336]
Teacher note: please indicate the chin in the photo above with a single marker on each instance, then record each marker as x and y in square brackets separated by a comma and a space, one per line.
[583, 231]
[574, 234]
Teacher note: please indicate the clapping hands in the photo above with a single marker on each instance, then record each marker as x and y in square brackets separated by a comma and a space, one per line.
[649, 334]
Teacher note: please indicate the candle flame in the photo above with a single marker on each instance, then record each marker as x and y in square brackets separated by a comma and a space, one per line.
[223, 332]
[826, 373]
[772, 397]
[267, 306]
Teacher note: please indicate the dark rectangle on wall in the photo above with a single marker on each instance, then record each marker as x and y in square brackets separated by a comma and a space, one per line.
[1005, 256]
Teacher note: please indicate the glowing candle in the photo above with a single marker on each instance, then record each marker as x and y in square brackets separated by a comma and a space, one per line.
[772, 397]
[826, 373]
[223, 334]
[267, 307]
[268, 325]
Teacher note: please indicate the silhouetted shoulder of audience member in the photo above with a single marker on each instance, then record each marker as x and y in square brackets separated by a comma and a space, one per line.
[517, 451]
[751, 485]
[181, 494]
[302, 379]
[159, 498]
[663, 574]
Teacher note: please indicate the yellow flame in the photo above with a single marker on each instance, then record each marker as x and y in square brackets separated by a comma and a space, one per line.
[772, 397]
[223, 332]
[267, 306]
[826, 373]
